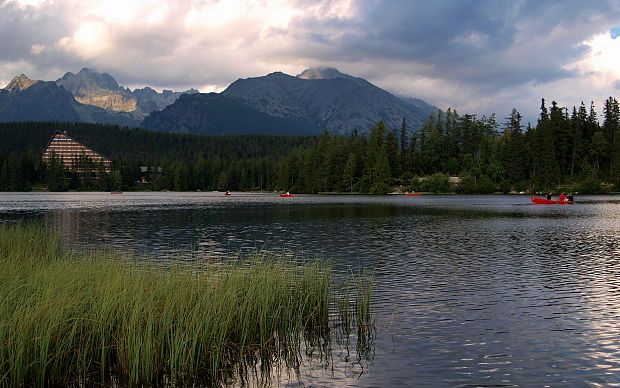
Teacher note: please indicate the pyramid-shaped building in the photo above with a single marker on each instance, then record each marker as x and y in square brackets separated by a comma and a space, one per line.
[74, 155]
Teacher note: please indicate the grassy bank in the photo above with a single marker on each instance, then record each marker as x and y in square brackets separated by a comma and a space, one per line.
[67, 318]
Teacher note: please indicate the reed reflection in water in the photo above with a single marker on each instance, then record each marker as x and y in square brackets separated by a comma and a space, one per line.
[474, 290]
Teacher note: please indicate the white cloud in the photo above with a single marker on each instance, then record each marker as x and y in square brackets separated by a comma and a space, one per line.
[37, 49]
[88, 42]
[23, 4]
[128, 12]
[601, 64]
[487, 60]
[184, 43]
[12, 69]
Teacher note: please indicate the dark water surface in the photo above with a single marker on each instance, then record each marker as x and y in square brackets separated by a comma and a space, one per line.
[472, 291]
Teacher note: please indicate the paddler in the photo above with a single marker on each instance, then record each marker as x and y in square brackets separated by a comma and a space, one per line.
[562, 197]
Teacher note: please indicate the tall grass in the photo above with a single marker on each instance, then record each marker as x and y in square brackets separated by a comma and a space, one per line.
[73, 319]
[356, 313]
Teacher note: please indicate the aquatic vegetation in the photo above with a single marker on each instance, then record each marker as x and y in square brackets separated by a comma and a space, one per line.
[69, 318]
[356, 313]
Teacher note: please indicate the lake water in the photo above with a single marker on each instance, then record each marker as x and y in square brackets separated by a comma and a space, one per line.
[471, 290]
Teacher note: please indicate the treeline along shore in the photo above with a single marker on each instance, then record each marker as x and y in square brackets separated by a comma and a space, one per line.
[570, 148]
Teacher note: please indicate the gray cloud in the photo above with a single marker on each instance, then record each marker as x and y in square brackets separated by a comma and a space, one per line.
[484, 47]
[495, 42]
[472, 54]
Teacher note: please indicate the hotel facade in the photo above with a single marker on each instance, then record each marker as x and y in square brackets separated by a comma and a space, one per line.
[75, 156]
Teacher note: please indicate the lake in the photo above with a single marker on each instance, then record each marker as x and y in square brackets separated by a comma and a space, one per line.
[471, 290]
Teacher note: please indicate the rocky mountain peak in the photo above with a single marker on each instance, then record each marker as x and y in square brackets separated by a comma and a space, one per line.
[322, 73]
[88, 82]
[277, 75]
[19, 83]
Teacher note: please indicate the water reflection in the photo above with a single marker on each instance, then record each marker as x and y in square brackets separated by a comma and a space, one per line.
[475, 290]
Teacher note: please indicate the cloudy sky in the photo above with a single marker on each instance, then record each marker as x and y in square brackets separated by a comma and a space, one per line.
[478, 56]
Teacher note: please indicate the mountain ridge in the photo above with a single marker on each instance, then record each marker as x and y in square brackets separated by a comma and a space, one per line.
[88, 96]
[329, 99]
[315, 100]
[91, 87]
[20, 83]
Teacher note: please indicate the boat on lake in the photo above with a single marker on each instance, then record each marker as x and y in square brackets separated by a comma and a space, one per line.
[543, 201]
[287, 195]
[412, 194]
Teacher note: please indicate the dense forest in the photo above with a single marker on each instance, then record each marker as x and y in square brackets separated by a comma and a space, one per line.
[570, 150]
[175, 162]
[564, 150]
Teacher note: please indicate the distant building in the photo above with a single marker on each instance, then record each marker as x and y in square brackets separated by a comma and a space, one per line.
[454, 180]
[147, 173]
[75, 156]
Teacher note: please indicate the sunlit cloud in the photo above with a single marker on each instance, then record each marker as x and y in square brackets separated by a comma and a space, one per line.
[129, 12]
[37, 49]
[478, 56]
[88, 42]
[600, 65]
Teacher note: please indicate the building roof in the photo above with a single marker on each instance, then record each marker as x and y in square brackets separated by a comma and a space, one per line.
[64, 133]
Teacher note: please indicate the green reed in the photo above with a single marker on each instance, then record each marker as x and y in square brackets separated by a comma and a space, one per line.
[356, 312]
[67, 318]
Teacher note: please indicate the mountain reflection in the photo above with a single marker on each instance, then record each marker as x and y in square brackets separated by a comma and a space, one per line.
[472, 290]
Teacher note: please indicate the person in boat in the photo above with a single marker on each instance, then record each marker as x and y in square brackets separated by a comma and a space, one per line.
[562, 197]
[549, 196]
[570, 197]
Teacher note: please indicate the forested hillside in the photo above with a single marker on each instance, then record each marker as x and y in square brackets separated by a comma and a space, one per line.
[187, 162]
[565, 148]
[573, 149]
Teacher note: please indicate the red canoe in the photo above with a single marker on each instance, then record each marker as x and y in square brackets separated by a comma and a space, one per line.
[412, 193]
[550, 202]
[287, 195]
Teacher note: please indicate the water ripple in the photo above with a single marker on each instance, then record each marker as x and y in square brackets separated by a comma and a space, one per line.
[471, 291]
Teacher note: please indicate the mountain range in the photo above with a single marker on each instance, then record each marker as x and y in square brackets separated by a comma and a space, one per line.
[317, 99]
[101, 89]
[88, 96]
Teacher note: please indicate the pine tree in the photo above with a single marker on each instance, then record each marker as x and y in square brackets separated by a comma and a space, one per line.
[577, 123]
[403, 155]
[452, 135]
[349, 173]
[222, 182]
[466, 124]
[56, 174]
[559, 129]
[391, 147]
[404, 137]
[544, 160]
[381, 173]
[599, 148]
[515, 162]
[593, 124]
[376, 146]
[611, 126]
[544, 115]
[116, 181]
